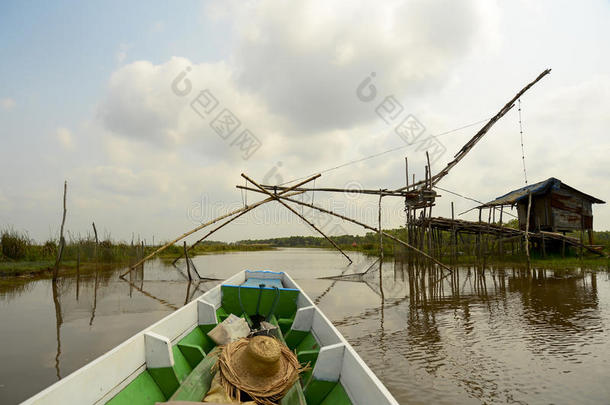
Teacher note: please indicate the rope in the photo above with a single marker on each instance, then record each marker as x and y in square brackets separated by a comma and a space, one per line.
[522, 148]
[260, 295]
[276, 300]
[313, 194]
[250, 324]
[352, 162]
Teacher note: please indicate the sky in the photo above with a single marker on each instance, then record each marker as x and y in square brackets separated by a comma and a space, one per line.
[152, 110]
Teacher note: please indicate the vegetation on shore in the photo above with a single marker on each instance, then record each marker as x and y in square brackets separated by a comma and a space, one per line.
[19, 255]
[369, 244]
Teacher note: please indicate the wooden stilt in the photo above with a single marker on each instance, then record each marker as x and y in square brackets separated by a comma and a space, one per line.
[188, 264]
[380, 235]
[527, 227]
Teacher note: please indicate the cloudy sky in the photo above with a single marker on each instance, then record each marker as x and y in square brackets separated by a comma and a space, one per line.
[151, 111]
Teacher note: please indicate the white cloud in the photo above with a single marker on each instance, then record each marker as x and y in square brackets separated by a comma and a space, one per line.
[65, 138]
[7, 103]
[291, 79]
[307, 59]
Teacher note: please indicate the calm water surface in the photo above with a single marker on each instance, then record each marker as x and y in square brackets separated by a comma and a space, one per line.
[508, 336]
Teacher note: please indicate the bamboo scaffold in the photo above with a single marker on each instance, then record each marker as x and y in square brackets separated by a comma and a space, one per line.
[418, 195]
[370, 228]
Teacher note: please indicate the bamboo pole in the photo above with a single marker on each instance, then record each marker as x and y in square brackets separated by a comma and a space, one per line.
[453, 235]
[62, 241]
[387, 235]
[343, 190]
[277, 198]
[188, 264]
[527, 227]
[477, 137]
[77, 271]
[192, 231]
[380, 234]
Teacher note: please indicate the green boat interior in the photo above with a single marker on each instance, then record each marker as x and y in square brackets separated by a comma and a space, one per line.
[195, 354]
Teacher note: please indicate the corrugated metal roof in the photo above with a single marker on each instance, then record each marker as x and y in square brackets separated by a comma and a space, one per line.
[539, 188]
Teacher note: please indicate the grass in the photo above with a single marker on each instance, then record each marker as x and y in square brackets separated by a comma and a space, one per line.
[20, 256]
[212, 247]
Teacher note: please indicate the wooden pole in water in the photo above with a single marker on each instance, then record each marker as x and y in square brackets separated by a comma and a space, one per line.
[501, 244]
[188, 264]
[77, 270]
[453, 236]
[380, 234]
[527, 227]
[95, 248]
[277, 198]
[62, 241]
[582, 226]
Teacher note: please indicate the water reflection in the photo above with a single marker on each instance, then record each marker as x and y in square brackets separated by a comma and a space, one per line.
[475, 335]
[494, 335]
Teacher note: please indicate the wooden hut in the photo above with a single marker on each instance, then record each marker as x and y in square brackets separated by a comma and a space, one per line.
[556, 207]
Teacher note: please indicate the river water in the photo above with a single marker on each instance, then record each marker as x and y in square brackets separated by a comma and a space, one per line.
[502, 335]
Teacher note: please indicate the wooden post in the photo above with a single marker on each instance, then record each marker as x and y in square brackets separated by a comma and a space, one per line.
[62, 241]
[582, 226]
[188, 264]
[77, 270]
[501, 245]
[479, 235]
[380, 234]
[407, 207]
[453, 235]
[407, 172]
[527, 227]
[429, 171]
[96, 241]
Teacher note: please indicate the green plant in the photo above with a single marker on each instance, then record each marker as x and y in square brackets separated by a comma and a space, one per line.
[49, 249]
[14, 244]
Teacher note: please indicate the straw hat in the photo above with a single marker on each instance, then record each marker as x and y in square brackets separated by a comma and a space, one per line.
[260, 366]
